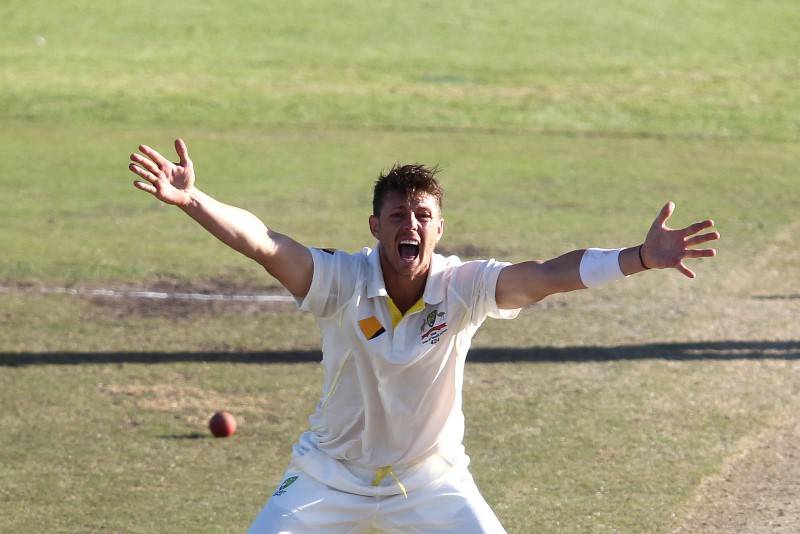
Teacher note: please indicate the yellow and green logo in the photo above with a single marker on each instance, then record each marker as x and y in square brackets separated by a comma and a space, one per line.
[431, 320]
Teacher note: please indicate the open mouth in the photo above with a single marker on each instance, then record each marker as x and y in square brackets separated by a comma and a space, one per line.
[408, 249]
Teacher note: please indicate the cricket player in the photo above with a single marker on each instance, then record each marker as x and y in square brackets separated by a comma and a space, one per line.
[384, 448]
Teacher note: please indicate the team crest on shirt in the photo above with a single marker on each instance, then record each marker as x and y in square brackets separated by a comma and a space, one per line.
[431, 331]
[282, 488]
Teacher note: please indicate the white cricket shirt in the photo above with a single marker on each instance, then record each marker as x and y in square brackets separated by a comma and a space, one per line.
[392, 394]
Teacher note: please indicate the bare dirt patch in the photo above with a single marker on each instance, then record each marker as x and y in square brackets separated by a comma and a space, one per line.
[181, 298]
[757, 492]
[180, 308]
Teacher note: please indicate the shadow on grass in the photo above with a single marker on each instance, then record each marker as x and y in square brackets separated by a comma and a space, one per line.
[190, 435]
[717, 350]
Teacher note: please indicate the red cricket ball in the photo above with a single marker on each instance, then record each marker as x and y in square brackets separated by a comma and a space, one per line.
[222, 424]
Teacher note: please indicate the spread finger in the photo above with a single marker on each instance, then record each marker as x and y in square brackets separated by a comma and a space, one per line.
[144, 173]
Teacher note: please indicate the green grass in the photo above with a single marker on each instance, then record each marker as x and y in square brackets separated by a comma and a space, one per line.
[557, 125]
[674, 68]
[527, 189]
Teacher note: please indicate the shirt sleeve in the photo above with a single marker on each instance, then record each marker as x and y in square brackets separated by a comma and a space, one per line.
[475, 285]
[484, 303]
[333, 282]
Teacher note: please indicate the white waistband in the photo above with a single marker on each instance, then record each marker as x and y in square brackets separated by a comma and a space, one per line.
[360, 479]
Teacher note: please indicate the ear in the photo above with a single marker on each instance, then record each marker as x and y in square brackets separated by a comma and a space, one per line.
[374, 225]
[440, 230]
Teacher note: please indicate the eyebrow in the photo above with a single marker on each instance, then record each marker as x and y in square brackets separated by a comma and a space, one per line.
[403, 207]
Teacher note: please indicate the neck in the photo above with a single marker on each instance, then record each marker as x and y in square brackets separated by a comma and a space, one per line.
[404, 291]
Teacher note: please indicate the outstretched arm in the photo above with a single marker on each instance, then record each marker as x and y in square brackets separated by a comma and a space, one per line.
[173, 183]
[528, 282]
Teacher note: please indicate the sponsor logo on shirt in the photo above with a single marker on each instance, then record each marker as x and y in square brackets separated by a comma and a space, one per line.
[431, 332]
[371, 327]
[285, 484]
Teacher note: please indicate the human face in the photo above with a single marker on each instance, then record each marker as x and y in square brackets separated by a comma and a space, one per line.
[407, 230]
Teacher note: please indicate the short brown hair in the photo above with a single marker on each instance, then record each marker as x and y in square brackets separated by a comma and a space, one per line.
[407, 180]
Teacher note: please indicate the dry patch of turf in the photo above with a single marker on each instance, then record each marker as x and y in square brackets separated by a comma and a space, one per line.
[757, 491]
[193, 404]
[122, 304]
[121, 308]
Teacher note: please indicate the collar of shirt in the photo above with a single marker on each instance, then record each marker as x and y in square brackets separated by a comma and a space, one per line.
[434, 285]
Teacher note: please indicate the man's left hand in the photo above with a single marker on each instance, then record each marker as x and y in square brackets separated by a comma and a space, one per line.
[666, 248]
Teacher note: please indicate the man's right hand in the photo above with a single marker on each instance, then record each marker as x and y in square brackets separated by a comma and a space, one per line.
[284, 258]
[169, 182]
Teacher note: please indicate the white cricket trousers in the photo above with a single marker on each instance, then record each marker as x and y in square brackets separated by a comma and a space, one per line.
[304, 505]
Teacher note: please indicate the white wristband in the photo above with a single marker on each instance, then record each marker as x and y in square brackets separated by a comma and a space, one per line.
[600, 266]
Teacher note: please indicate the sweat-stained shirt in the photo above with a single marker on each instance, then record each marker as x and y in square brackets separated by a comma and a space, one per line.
[391, 399]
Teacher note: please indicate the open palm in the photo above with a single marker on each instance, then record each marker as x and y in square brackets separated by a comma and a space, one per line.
[665, 247]
[167, 181]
